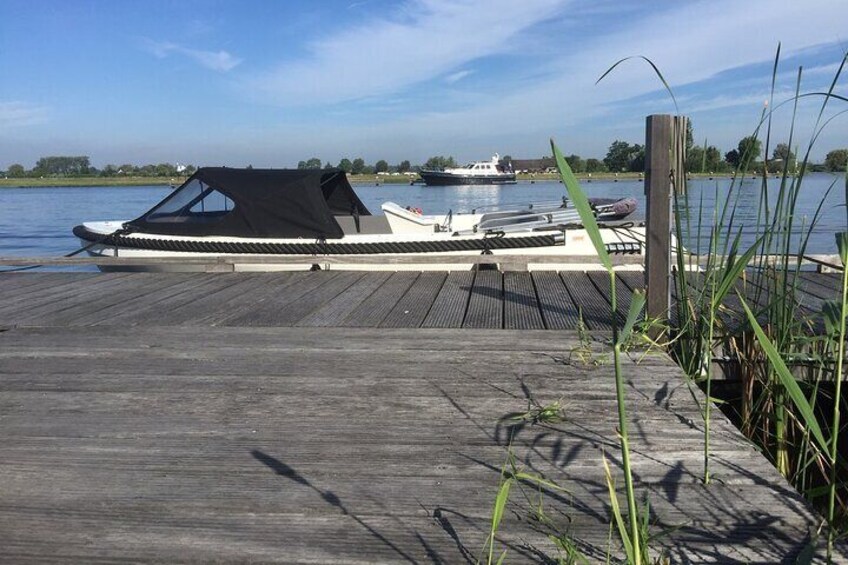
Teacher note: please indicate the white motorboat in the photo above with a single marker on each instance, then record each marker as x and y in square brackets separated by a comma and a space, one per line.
[478, 172]
[221, 213]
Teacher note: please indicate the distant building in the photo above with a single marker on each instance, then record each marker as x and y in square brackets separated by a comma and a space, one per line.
[533, 165]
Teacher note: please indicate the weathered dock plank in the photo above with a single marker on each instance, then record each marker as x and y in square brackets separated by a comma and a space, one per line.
[294, 311]
[558, 309]
[485, 308]
[412, 309]
[335, 310]
[233, 287]
[521, 307]
[259, 311]
[371, 312]
[451, 303]
[56, 297]
[315, 444]
[128, 296]
[593, 307]
[152, 307]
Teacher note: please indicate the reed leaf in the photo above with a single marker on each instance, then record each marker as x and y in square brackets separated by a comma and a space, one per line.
[617, 517]
[535, 479]
[842, 247]
[653, 66]
[636, 305]
[497, 515]
[733, 269]
[786, 379]
[581, 203]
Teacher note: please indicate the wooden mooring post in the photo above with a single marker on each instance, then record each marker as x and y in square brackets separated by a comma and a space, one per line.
[665, 144]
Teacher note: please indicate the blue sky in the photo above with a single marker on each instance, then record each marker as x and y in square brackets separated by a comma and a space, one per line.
[269, 83]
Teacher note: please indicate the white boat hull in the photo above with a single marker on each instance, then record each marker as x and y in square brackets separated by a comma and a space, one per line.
[573, 245]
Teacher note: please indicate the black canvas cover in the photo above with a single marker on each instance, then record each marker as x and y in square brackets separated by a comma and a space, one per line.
[258, 203]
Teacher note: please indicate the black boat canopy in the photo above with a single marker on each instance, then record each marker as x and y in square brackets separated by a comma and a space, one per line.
[263, 203]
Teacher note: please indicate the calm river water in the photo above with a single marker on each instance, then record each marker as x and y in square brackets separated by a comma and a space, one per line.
[38, 221]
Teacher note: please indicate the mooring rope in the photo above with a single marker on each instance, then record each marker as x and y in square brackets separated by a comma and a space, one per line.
[117, 233]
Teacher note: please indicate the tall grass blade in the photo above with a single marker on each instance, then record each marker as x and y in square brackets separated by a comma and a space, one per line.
[842, 246]
[786, 379]
[653, 66]
[578, 197]
[636, 305]
[733, 270]
[497, 515]
[617, 517]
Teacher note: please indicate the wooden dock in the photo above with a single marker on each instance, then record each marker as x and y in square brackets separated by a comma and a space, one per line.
[348, 417]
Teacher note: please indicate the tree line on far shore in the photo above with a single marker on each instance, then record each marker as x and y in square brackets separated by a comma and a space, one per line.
[621, 157]
[747, 155]
[61, 166]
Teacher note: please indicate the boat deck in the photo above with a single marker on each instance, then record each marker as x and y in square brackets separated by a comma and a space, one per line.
[348, 417]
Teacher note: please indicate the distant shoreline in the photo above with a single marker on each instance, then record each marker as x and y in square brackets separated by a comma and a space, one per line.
[75, 182]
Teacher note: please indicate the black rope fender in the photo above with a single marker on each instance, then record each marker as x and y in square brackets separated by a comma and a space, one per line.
[318, 247]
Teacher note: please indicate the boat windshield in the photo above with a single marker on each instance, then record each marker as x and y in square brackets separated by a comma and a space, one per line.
[195, 202]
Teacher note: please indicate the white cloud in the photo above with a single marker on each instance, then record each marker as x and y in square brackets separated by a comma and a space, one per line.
[457, 76]
[221, 61]
[386, 55]
[694, 42]
[15, 114]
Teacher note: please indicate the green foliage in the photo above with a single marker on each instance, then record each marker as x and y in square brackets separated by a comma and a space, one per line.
[749, 151]
[700, 161]
[787, 379]
[166, 170]
[623, 157]
[313, 163]
[381, 166]
[732, 157]
[358, 166]
[553, 413]
[511, 476]
[782, 152]
[836, 161]
[576, 163]
[346, 165]
[618, 156]
[440, 162]
[404, 167]
[60, 165]
[16, 171]
[595, 166]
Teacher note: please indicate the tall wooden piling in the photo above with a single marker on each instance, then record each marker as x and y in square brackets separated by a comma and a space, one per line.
[665, 142]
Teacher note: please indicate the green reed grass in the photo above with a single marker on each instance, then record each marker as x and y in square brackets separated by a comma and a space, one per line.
[632, 540]
[511, 476]
[782, 415]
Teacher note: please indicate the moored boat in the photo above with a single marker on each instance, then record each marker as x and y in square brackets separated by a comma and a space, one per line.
[220, 213]
[478, 172]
